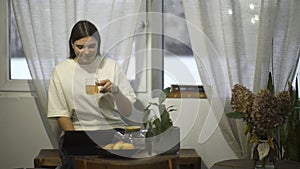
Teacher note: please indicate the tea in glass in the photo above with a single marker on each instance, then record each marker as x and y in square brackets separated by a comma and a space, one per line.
[91, 86]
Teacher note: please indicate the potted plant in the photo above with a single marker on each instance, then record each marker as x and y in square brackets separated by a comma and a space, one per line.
[282, 132]
[161, 136]
[263, 113]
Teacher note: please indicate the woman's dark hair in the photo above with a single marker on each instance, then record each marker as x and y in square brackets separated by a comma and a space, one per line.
[80, 30]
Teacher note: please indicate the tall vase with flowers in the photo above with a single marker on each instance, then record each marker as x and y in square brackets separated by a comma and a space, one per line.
[262, 114]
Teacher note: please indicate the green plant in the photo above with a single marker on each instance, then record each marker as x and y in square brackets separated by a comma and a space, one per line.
[157, 122]
[289, 134]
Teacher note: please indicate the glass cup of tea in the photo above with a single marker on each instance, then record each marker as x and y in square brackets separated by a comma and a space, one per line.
[91, 86]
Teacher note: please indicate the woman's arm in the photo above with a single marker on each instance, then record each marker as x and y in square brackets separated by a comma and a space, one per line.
[65, 123]
[123, 104]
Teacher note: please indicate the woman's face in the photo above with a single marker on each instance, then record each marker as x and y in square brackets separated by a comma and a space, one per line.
[85, 49]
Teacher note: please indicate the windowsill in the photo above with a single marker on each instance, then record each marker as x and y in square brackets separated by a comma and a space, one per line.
[15, 85]
[17, 94]
[186, 97]
[187, 91]
[204, 98]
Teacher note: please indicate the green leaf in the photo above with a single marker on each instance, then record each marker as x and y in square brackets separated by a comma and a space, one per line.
[282, 136]
[149, 131]
[161, 108]
[247, 129]
[165, 92]
[294, 97]
[297, 133]
[147, 108]
[296, 108]
[162, 98]
[291, 145]
[165, 116]
[235, 115]
[157, 124]
[171, 110]
[297, 89]
[172, 106]
[270, 86]
[146, 115]
[166, 127]
[253, 138]
[166, 122]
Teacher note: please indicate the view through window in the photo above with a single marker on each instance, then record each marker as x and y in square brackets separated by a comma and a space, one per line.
[177, 52]
[179, 63]
[17, 62]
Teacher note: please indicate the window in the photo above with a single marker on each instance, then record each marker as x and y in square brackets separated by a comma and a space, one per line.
[6, 83]
[17, 62]
[179, 63]
[15, 73]
[171, 54]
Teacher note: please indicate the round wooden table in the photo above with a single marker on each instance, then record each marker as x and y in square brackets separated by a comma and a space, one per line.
[234, 164]
[249, 164]
[155, 162]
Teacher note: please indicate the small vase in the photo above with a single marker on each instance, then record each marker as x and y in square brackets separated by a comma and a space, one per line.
[264, 155]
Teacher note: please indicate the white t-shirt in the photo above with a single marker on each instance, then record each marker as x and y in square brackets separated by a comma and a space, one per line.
[67, 96]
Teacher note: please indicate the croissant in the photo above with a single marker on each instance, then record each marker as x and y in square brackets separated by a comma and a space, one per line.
[120, 145]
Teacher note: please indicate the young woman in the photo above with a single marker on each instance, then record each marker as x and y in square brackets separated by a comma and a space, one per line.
[68, 100]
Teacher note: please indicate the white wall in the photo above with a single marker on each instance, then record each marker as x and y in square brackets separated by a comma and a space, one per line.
[21, 129]
[190, 117]
[22, 134]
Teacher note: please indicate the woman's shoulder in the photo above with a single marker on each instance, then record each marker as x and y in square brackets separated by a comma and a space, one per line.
[63, 68]
[64, 65]
[108, 60]
[67, 62]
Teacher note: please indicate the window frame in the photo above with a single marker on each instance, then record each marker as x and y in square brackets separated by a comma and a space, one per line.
[7, 84]
[156, 42]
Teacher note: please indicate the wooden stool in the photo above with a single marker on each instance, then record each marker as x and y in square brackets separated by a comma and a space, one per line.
[189, 159]
[49, 158]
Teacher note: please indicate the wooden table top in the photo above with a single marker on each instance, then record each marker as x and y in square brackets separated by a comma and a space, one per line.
[249, 164]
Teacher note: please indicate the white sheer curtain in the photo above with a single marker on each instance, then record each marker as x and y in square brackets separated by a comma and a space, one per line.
[232, 43]
[44, 28]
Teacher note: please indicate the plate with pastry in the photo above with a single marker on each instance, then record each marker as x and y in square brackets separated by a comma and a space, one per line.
[121, 149]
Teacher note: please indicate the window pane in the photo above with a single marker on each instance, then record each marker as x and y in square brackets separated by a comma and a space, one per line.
[179, 63]
[18, 65]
